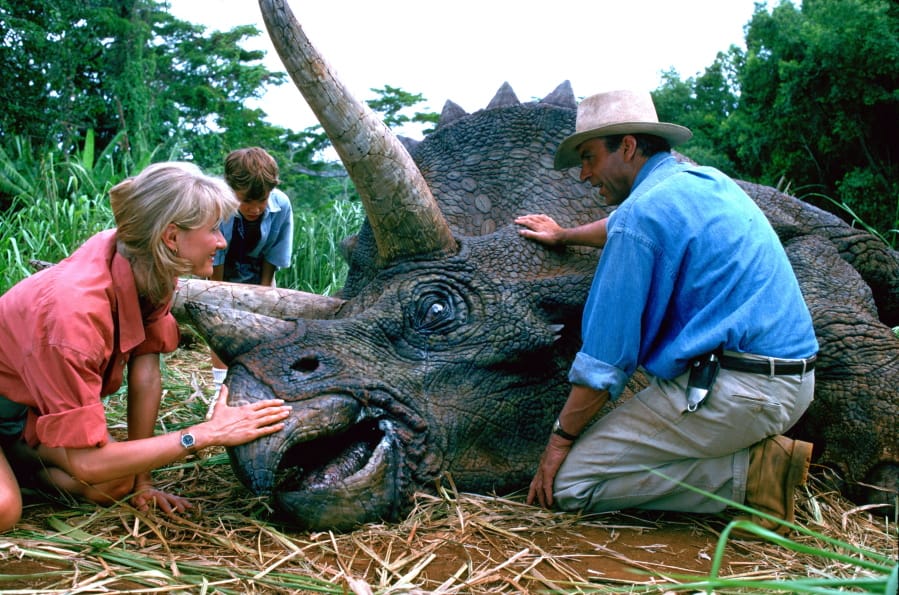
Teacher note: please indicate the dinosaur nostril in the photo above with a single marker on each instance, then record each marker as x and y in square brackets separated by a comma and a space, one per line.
[306, 364]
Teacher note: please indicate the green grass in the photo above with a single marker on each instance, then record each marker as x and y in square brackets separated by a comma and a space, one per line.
[56, 203]
[871, 571]
[318, 264]
[50, 229]
[47, 229]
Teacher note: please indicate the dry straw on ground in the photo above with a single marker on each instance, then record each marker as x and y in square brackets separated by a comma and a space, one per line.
[451, 543]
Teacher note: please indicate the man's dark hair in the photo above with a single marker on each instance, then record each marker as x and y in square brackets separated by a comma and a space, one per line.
[649, 144]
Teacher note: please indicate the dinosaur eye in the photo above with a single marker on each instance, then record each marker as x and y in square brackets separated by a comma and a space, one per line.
[433, 314]
[435, 310]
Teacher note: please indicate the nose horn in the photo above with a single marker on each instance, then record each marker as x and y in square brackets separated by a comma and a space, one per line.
[231, 333]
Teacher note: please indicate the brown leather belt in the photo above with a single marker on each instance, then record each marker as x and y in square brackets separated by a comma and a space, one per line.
[772, 367]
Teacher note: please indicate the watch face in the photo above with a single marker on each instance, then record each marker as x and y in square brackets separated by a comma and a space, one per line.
[187, 440]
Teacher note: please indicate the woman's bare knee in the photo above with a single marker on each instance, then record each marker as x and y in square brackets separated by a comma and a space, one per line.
[111, 492]
[10, 510]
[10, 496]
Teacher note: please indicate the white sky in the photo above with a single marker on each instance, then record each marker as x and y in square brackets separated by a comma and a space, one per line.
[463, 50]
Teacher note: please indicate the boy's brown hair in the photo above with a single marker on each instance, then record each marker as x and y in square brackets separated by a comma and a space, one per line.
[251, 171]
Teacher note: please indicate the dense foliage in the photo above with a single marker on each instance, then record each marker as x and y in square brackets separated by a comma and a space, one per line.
[811, 104]
[115, 66]
[145, 86]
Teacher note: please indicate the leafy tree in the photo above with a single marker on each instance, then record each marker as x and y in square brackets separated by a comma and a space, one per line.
[826, 79]
[51, 61]
[704, 105]
[128, 65]
[125, 81]
[391, 102]
[202, 85]
[812, 104]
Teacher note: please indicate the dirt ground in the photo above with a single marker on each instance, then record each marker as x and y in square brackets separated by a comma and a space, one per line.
[458, 543]
[626, 551]
[451, 543]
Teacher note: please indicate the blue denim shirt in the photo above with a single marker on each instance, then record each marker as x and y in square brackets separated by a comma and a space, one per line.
[690, 265]
[276, 244]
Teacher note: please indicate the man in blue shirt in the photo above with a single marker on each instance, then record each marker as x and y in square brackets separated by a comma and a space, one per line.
[694, 287]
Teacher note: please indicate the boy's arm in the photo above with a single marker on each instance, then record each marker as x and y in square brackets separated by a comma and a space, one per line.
[267, 277]
[278, 251]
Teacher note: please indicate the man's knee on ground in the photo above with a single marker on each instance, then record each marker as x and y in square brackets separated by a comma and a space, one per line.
[572, 497]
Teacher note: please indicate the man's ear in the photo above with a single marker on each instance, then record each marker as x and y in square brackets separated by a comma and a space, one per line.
[170, 237]
[629, 143]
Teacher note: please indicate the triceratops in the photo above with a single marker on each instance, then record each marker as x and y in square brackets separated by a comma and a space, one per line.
[447, 351]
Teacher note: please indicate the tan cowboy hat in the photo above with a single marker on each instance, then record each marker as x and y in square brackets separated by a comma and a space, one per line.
[616, 112]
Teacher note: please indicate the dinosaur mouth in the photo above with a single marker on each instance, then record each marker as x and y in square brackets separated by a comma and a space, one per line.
[333, 467]
[338, 458]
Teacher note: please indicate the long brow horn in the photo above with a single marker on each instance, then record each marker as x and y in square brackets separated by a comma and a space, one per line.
[402, 212]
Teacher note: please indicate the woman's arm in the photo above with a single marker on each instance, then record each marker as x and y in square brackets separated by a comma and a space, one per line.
[144, 394]
[229, 426]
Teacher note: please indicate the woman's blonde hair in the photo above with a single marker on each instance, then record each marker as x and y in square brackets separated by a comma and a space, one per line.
[165, 193]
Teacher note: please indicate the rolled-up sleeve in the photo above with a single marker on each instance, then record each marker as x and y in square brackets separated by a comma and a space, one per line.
[65, 385]
[82, 427]
[163, 336]
[589, 371]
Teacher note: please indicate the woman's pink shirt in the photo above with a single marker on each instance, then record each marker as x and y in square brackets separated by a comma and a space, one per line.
[66, 334]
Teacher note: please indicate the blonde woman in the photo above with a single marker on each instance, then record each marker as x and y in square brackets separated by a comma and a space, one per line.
[69, 333]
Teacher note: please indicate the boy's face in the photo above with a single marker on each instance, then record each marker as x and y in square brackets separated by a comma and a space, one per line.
[251, 210]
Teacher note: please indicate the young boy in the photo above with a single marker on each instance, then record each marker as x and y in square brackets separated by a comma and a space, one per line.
[260, 234]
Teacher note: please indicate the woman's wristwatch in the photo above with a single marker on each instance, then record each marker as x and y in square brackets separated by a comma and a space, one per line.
[188, 441]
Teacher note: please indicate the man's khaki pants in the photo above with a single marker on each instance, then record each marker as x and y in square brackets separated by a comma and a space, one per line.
[609, 465]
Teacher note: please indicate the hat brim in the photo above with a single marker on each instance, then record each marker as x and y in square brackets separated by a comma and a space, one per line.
[567, 154]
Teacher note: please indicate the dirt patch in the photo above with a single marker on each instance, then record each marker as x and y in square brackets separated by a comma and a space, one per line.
[483, 556]
[451, 543]
[232, 542]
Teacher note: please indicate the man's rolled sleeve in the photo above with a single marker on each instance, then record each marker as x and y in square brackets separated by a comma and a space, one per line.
[598, 375]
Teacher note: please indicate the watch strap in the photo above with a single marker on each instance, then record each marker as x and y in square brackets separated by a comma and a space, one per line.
[558, 431]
